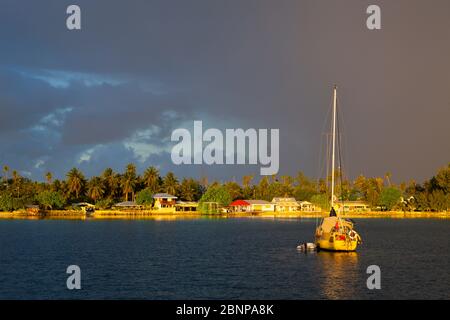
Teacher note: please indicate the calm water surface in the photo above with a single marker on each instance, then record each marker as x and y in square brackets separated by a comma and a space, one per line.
[242, 258]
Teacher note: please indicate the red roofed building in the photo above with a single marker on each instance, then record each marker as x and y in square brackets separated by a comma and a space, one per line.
[240, 206]
[252, 206]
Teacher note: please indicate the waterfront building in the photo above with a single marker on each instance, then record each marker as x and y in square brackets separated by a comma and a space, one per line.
[86, 207]
[240, 206]
[307, 206]
[261, 206]
[252, 206]
[186, 206]
[285, 204]
[164, 200]
[212, 207]
[352, 206]
[128, 205]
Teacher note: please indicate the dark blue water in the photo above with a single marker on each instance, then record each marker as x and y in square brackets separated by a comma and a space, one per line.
[245, 258]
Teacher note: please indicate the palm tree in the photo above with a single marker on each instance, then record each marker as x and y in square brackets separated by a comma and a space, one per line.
[16, 182]
[246, 181]
[116, 186]
[49, 177]
[186, 190]
[5, 172]
[248, 191]
[151, 178]
[75, 182]
[108, 177]
[57, 186]
[129, 180]
[323, 186]
[204, 182]
[263, 188]
[234, 189]
[15, 176]
[170, 183]
[190, 189]
[388, 176]
[96, 188]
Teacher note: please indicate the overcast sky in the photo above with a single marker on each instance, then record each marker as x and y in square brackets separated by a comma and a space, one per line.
[112, 93]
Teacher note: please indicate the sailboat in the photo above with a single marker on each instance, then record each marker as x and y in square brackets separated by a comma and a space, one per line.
[335, 233]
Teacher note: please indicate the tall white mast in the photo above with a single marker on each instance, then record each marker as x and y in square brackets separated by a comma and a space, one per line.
[334, 144]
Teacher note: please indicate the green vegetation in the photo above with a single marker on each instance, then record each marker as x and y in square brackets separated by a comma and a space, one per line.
[170, 183]
[104, 204]
[390, 197]
[151, 179]
[216, 194]
[189, 190]
[321, 200]
[128, 182]
[6, 203]
[50, 199]
[145, 197]
[111, 187]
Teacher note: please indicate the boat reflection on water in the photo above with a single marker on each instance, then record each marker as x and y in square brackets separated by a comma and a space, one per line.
[339, 274]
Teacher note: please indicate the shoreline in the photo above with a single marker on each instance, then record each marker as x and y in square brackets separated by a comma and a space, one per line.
[170, 215]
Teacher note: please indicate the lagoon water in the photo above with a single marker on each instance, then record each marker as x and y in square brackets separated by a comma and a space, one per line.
[236, 258]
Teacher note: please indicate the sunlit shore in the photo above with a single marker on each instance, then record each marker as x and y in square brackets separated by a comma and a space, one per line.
[155, 215]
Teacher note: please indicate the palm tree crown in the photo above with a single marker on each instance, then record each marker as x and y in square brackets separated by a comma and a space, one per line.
[129, 180]
[151, 178]
[170, 183]
[75, 182]
[96, 188]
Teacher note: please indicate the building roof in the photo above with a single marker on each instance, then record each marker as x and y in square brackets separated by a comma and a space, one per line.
[304, 202]
[285, 202]
[279, 199]
[258, 202]
[186, 204]
[164, 195]
[126, 204]
[241, 203]
[82, 204]
[353, 203]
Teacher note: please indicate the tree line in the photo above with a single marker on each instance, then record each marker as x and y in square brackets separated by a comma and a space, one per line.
[16, 192]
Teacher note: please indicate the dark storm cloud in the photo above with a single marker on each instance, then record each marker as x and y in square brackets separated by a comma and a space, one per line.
[112, 92]
[24, 101]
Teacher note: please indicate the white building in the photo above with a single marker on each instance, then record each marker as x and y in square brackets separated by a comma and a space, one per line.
[164, 200]
[285, 204]
[307, 206]
[260, 206]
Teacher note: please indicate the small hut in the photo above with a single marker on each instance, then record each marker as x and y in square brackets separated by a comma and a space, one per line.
[87, 208]
[128, 205]
[186, 206]
[32, 209]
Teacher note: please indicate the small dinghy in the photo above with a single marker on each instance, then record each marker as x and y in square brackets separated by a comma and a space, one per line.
[307, 246]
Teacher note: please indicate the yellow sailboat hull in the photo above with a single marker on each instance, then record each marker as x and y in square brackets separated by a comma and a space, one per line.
[335, 234]
[337, 245]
